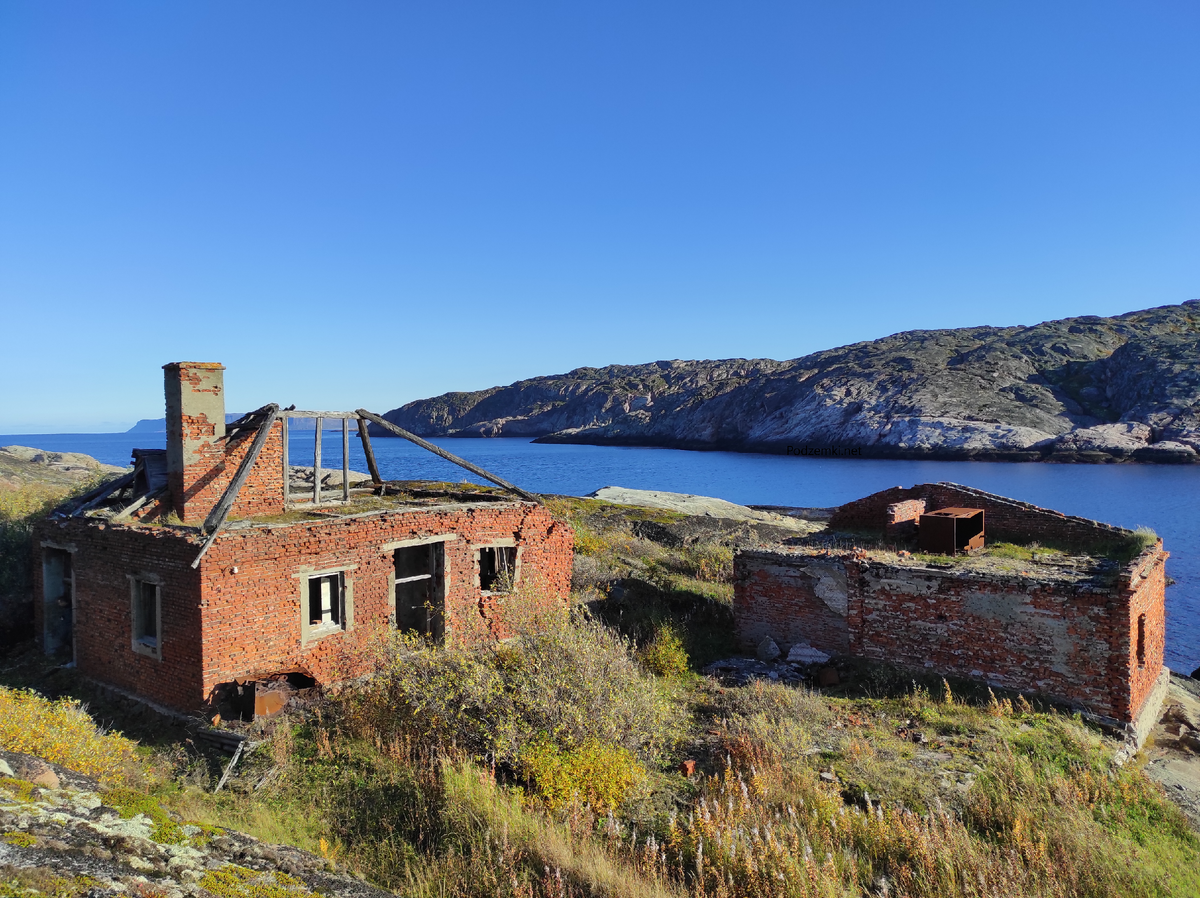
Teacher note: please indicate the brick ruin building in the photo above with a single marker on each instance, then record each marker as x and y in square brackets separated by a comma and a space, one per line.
[1087, 631]
[203, 567]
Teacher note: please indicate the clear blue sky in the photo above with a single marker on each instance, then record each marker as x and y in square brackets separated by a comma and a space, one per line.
[363, 204]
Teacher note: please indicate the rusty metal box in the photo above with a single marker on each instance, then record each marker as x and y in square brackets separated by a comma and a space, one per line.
[949, 531]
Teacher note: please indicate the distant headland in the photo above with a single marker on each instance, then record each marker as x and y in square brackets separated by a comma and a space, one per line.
[1087, 389]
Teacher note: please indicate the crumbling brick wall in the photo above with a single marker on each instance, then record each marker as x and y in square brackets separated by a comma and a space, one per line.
[791, 599]
[1055, 638]
[1006, 519]
[1069, 641]
[104, 557]
[251, 618]
[261, 493]
[239, 614]
[1142, 593]
[1100, 648]
[901, 517]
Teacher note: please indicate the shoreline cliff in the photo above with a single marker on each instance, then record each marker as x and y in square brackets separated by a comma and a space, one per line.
[1086, 389]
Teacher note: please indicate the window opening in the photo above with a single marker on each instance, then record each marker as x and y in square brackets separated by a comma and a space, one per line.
[420, 595]
[497, 568]
[325, 600]
[1141, 641]
[145, 618]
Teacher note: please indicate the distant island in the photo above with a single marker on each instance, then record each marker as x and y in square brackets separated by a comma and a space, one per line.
[159, 425]
[1086, 389]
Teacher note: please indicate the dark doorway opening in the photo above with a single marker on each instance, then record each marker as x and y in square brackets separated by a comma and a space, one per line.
[420, 589]
[58, 603]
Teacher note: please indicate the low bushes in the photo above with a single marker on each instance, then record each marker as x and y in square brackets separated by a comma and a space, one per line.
[570, 684]
[62, 732]
[19, 508]
[665, 654]
[596, 774]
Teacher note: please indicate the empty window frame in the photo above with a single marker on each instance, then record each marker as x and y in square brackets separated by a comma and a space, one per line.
[146, 615]
[326, 601]
[1141, 640]
[420, 593]
[497, 568]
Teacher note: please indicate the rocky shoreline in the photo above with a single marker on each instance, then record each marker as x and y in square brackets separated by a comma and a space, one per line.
[1079, 390]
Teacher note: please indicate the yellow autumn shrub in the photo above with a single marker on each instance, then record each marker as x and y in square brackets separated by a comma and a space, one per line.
[61, 732]
[595, 773]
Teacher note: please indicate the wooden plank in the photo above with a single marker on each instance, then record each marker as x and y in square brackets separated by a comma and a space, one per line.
[136, 504]
[229, 768]
[442, 453]
[317, 464]
[216, 517]
[345, 459]
[293, 413]
[287, 466]
[365, 439]
[103, 492]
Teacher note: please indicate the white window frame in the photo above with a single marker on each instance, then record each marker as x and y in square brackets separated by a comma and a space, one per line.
[310, 632]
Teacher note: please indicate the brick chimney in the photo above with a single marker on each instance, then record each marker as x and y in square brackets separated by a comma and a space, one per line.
[195, 393]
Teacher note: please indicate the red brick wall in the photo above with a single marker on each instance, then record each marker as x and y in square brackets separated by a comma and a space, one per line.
[901, 517]
[219, 625]
[1022, 634]
[776, 595]
[262, 493]
[1007, 519]
[103, 557]
[1143, 591]
[252, 621]
[1064, 640]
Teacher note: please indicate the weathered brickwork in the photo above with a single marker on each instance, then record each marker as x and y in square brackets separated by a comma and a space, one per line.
[902, 517]
[1007, 519]
[239, 614]
[201, 461]
[252, 618]
[104, 558]
[792, 600]
[1095, 646]
[1142, 591]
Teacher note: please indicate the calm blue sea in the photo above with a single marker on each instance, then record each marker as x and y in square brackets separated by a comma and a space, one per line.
[1164, 497]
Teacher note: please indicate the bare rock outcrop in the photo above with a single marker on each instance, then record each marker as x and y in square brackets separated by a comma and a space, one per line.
[1125, 388]
[60, 826]
[21, 465]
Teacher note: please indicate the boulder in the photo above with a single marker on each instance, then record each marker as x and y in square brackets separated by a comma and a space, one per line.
[803, 653]
[768, 650]
[36, 771]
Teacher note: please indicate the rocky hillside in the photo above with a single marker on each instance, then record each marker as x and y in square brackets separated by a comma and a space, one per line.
[23, 465]
[1079, 389]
